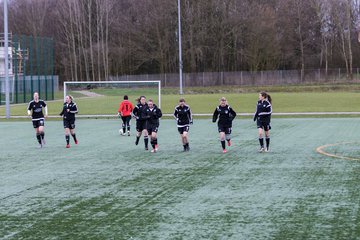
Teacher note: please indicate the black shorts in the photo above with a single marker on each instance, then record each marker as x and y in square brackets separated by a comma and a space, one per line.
[181, 130]
[141, 125]
[126, 120]
[265, 125]
[225, 129]
[69, 123]
[152, 129]
[38, 123]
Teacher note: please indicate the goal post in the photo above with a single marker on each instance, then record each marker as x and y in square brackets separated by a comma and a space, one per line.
[102, 98]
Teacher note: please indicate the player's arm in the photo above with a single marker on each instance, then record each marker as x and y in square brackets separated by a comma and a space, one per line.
[120, 109]
[190, 116]
[29, 109]
[159, 113]
[232, 113]
[74, 108]
[46, 111]
[176, 114]
[269, 108]
[135, 112]
[215, 115]
[62, 112]
[256, 114]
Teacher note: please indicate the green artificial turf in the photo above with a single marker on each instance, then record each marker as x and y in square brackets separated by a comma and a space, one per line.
[107, 188]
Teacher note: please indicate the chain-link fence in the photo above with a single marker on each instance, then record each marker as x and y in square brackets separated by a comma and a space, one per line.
[245, 78]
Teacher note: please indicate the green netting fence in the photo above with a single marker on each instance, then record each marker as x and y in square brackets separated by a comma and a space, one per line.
[31, 68]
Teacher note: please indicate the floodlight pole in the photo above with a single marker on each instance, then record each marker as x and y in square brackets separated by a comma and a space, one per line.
[180, 50]
[6, 55]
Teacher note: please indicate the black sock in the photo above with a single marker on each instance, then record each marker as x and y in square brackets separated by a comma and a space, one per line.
[128, 128]
[152, 143]
[267, 142]
[146, 141]
[42, 134]
[74, 137]
[155, 141]
[187, 146]
[184, 146]
[38, 137]
[261, 140]
[124, 128]
[223, 144]
[137, 140]
[67, 138]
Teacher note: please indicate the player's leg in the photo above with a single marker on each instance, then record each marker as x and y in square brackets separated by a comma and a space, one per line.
[153, 140]
[128, 119]
[37, 132]
[123, 125]
[138, 131]
[183, 140]
[186, 138]
[261, 140]
[150, 133]
[72, 132]
[42, 132]
[222, 140]
[67, 135]
[228, 136]
[154, 136]
[146, 138]
[267, 137]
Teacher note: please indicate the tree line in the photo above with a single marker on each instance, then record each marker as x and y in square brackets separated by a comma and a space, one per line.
[95, 39]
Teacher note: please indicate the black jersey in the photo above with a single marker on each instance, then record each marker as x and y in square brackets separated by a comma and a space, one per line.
[37, 109]
[263, 111]
[183, 115]
[69, 115]
[226, 115]
[154, 113]
[141, 112]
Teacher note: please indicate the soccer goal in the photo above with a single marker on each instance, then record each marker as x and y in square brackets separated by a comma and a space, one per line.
[102, 98]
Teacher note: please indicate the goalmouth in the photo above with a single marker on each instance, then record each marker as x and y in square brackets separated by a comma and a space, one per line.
[102, 98]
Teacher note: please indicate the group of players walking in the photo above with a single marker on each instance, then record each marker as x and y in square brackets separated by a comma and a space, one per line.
[37, 109]
[147, 116]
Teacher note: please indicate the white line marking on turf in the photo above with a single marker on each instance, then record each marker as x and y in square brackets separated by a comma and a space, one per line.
[321, 151]
[204, 114]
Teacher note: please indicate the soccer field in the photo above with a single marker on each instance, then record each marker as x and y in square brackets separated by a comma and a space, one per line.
[108, 188]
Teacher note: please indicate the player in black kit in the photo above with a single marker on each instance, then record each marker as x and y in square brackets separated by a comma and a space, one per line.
[68, 112]
[141, 113]
[35, 110]
[183, 118]
[153, 124]
[226, 115]
[262, 117]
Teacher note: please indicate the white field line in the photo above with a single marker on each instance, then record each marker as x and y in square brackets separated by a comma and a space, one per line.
[209, 114]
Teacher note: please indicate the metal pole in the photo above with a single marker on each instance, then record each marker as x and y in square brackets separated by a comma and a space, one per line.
[180, 50]
[6, 53]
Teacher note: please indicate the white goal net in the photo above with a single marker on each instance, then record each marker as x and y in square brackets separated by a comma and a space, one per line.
[102, 98]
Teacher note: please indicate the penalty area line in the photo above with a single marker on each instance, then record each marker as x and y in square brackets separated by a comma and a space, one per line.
[323, 152]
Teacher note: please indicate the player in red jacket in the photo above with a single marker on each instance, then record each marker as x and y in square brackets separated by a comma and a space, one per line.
[125, 111]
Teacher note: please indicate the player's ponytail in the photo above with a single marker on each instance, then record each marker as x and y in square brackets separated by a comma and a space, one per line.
[269, 98]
